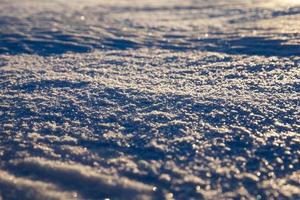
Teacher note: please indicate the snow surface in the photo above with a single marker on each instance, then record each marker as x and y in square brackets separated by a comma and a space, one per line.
[131, 99]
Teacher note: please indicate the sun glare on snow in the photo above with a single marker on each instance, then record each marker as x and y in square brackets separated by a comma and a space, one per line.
[288, 2]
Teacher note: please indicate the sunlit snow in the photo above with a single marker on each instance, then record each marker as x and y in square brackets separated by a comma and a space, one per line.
[149, 99]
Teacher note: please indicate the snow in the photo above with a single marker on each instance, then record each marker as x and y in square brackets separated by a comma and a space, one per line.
[149, 99]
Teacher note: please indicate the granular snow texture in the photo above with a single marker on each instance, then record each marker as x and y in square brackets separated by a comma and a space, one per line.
[131, 99]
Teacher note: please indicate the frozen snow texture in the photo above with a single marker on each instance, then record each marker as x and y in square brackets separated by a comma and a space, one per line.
[149, 100]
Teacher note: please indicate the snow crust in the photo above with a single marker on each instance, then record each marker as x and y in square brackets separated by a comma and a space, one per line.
[149, 99]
